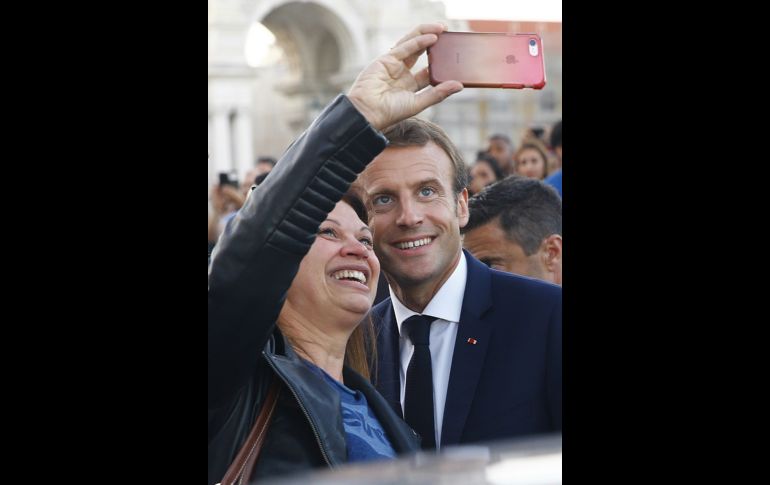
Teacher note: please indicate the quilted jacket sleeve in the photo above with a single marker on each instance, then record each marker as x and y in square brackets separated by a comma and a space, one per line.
[257, 256]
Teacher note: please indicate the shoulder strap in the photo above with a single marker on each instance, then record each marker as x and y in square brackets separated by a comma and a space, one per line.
[243, 465]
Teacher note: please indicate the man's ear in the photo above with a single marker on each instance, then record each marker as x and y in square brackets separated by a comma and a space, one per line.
[462, 207]
[551, 252]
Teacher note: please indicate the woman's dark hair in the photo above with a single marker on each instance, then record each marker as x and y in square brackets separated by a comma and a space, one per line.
[353, 200]
[361, 351]
[485, 157]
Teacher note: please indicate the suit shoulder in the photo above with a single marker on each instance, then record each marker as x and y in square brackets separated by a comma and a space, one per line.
[380, 309]
[515, 282]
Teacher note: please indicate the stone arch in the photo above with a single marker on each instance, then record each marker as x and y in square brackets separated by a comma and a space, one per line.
[334, 18]
[324, 46]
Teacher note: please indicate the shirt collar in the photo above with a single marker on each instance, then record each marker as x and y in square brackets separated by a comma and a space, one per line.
[446, 304]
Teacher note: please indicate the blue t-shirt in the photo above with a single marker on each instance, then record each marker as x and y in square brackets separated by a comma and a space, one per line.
[364, 436]
[555, 180]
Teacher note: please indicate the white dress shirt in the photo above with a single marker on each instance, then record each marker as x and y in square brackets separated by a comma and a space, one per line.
[445, 307]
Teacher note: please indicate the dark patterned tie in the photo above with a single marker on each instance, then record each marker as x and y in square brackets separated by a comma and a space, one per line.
[418, 396]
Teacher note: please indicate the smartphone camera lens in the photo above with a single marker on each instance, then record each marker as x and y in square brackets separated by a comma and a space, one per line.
[533, 51]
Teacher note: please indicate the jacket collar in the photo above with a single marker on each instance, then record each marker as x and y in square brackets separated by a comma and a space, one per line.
[320, 402]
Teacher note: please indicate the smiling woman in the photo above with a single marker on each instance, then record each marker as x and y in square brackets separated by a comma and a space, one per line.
[338, 276]
[291, 278]
[290, 282]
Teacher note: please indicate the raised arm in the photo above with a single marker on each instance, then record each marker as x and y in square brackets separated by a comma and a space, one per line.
[257, 257]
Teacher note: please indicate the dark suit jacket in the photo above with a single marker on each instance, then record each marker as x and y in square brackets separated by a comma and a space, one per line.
[507, 384]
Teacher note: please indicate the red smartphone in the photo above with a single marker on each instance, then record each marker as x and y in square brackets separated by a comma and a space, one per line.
[488, 60]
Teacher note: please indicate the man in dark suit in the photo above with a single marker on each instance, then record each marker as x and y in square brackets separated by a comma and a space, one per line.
[490, 341]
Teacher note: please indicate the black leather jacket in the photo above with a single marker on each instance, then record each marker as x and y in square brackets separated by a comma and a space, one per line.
[251, 269]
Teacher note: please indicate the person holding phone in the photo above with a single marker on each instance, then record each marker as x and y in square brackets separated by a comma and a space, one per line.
[292, 277]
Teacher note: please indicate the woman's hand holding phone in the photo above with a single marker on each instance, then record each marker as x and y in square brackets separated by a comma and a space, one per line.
[386, 91]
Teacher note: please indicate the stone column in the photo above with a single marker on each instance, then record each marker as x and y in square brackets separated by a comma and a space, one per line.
[244, 156]
[221, 157]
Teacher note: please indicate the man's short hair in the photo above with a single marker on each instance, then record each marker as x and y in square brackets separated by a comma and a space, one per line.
[418, 132]
[538, 132]
[501, 137]
[528, 210]
[272, 161]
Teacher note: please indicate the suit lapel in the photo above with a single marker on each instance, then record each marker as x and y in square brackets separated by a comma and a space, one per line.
[468, 358]
[389, 360]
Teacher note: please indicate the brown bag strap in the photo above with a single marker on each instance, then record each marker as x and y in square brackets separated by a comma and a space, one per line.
[242, 466]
